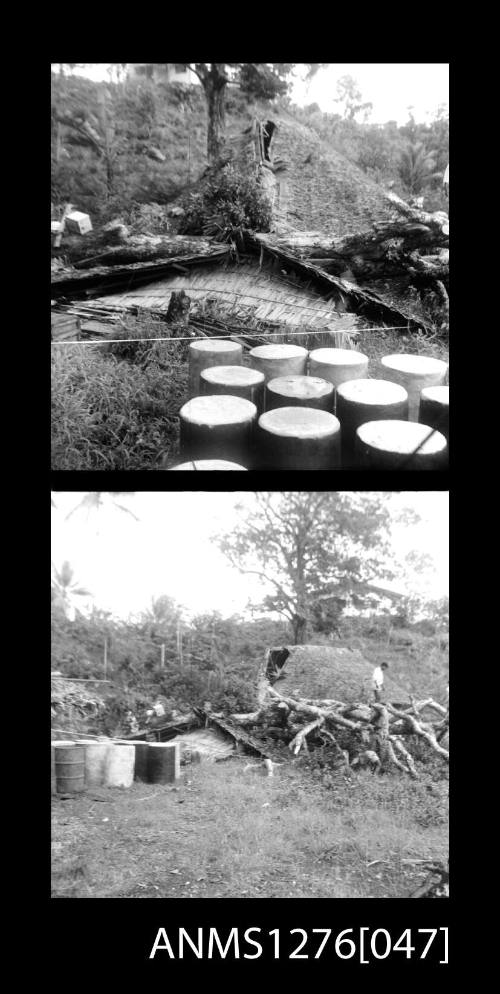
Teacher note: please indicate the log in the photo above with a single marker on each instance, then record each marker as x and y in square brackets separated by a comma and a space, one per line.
[143, 248]
[101, 280]
[411, 241]
[348, 295]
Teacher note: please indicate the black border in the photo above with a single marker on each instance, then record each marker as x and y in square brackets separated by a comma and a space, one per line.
[106, 939]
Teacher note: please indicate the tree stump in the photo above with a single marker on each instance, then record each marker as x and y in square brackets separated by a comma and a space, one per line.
[178, 308]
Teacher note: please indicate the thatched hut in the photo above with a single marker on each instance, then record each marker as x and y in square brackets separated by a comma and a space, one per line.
[313, 672]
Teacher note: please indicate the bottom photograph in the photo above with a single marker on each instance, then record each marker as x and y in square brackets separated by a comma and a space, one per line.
[249, 694]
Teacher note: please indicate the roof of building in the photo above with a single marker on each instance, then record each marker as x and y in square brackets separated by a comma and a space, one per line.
[322, 672]
[313, 187]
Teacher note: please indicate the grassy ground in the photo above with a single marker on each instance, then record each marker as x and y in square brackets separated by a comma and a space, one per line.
[226, 832]
[119, 410]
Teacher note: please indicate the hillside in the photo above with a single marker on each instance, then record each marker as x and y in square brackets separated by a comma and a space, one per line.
[221, 660]
[157, 136]
[147, 118]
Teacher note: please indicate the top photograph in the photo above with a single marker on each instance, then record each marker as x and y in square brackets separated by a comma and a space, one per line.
[249, 266]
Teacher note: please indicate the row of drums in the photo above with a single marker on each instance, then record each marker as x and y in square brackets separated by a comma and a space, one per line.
[111, 763]
[294, 409]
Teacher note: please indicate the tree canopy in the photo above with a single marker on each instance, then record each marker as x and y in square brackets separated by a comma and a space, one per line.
[311, 546]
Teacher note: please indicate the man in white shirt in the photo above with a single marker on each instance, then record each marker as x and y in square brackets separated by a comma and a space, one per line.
[378, 681]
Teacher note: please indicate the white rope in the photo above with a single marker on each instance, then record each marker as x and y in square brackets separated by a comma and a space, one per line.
[229, 335]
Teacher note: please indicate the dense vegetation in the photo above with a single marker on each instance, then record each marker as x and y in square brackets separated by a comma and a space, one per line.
[128, 150]
[119, 144]
[214, 658]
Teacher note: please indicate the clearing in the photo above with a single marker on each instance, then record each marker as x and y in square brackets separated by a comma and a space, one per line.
[224, 831]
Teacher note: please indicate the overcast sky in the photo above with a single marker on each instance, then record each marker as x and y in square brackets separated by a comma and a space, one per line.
[168, 551]
[391, 87]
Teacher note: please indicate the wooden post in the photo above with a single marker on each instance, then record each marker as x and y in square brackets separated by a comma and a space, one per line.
[105, 656]
[179, 643]
[162, 661]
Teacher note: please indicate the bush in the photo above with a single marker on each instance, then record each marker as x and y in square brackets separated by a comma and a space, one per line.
[228, 200]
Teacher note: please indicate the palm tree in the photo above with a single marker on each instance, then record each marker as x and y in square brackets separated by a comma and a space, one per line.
[65, 588]
[417, 168]
[96, 500]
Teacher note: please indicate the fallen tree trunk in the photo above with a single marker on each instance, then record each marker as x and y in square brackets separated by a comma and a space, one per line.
[412, 244]
[412, 240]
[355, 298]
[102, 280]
[145, 248]
[375, 734]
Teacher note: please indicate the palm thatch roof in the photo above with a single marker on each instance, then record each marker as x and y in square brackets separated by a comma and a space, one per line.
[312, 186]
[324, 672]
[242, 290]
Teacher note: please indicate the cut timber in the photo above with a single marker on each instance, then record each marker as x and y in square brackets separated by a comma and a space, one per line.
[99, 328]
[64, 327]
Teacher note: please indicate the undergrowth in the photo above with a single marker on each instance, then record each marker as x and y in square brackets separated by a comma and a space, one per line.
[113, 413]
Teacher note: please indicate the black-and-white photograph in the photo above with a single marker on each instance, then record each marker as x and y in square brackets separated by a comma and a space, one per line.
[249, 694]
[249, 266]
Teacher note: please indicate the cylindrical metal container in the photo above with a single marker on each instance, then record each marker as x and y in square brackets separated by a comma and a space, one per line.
[434, 408]
[279, 360]
[211, 352]
[299, 391]
[95, 761]
[141, 761]
[70, 768]
[119, 765]
[163, 762]
[208, 464]
[337, 365]
[235, 381]
[298, 438]
[53, 744]
[359, 401]
[414, 372]
[400, 445]
[219, 427]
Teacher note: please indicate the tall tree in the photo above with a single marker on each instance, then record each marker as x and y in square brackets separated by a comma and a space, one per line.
[95, 500]
[65, 589]
[308, 546]
[263, 80]
[350, 98]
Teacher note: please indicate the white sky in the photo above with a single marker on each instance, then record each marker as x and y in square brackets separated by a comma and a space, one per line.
[391, 87]
[168, 551]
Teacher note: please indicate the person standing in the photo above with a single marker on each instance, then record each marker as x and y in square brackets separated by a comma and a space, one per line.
[378, 680]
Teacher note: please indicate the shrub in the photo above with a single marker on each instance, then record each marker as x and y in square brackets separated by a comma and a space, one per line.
[229, 199]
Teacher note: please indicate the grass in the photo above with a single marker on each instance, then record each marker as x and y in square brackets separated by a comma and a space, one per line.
[112, 413]
[116, 407]
[226, 832]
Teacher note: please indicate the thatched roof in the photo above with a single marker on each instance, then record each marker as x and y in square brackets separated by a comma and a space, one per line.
[242, 290]
[324, 672]
[312, 186]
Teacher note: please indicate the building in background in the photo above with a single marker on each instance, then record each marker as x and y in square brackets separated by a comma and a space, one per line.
[169, 72]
